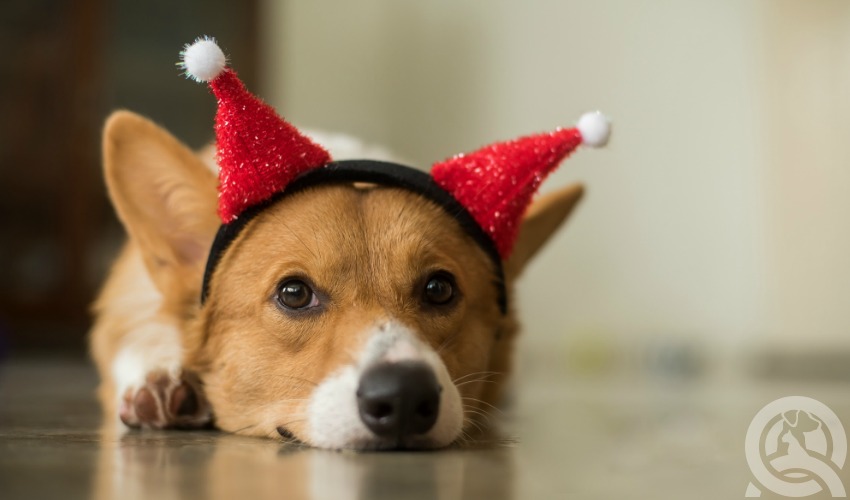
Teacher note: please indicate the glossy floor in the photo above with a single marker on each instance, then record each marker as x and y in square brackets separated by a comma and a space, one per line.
[621, 437]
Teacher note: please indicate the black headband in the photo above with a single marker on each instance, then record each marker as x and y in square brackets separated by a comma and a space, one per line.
[376, 172]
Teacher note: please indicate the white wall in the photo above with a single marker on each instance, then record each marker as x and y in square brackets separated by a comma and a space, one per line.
[806, 127]
[716, 215]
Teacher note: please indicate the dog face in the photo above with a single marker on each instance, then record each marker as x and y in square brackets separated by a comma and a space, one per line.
[346, 316]
[329, 289]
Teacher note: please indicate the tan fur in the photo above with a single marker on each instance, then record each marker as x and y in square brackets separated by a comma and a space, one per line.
[366, 250]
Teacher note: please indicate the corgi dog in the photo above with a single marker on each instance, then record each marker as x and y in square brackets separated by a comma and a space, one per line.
[347, 312]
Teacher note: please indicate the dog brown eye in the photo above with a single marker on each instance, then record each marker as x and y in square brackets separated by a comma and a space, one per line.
[439, 289]
[295, 294]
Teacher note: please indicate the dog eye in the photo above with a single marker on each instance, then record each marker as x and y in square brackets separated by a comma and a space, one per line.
[295, 294]
[439, 289]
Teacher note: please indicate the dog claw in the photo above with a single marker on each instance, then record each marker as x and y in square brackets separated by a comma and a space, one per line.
[165, 402]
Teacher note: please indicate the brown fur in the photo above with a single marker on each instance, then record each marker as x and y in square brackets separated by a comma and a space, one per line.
[367, 250]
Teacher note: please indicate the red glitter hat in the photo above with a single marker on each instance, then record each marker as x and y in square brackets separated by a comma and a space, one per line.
[496, 183]
[259, 153]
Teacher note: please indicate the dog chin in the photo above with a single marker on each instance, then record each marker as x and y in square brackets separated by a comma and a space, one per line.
[335, 420]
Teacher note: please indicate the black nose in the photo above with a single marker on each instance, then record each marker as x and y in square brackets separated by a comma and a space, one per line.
[399, 399]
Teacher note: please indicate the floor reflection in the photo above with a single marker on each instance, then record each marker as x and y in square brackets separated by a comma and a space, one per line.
[594, 438]
[166, 465]
[442, 475]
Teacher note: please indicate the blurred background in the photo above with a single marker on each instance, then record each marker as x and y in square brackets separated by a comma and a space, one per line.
[714, 236]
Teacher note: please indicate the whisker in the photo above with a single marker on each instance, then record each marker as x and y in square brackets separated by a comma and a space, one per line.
[476, 400]
[477, 413]
[476, 425]
[465, 438]
[481, 414]
[473, 374]
[483, 381]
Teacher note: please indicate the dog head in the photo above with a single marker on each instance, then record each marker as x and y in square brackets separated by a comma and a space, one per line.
[344, 315]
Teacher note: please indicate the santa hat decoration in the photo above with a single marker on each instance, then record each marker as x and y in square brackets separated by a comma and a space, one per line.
[496, 183]
[259, 153]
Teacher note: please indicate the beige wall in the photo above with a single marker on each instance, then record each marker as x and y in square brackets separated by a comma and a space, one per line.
[718, 213]
[806, 128]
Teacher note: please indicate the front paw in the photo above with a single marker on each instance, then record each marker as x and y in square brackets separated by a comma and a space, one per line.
[164, 401]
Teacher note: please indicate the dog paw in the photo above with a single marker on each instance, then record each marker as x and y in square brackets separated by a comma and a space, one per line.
[164, 401]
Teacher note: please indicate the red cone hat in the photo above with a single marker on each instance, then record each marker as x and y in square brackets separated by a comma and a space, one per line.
[497, 182]
[259, 153]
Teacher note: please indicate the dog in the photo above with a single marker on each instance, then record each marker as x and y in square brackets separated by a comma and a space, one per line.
[351, 314]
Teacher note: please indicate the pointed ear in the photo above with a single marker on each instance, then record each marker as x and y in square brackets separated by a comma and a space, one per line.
[164, 195]
[543, 217]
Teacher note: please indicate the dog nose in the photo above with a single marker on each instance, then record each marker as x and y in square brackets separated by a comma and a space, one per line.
[399, 399]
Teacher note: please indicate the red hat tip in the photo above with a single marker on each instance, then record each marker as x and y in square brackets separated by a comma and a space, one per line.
[259, 153]
[496, 183]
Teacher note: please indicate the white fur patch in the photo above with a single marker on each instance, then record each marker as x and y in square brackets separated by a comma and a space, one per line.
[333, 415]
[152, 347]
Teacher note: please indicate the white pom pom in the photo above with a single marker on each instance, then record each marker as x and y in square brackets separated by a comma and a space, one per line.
[595, 128]
[202, 60]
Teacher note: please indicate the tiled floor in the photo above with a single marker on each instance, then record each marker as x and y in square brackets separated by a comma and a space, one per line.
[624, 437]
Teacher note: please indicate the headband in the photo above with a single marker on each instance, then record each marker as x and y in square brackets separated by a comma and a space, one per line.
[376, 172]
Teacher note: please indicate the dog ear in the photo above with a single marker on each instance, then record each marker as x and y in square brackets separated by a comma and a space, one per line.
[543, 217]
[164, 195]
